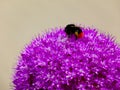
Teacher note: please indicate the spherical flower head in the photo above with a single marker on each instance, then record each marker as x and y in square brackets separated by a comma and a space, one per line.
[55, 61]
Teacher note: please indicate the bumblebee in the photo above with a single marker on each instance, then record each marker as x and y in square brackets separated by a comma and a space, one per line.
[71, 29]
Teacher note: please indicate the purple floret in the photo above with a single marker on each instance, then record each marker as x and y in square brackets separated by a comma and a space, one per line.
[55, 62]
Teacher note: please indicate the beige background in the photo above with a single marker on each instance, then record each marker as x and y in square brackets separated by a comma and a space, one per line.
[21, 20]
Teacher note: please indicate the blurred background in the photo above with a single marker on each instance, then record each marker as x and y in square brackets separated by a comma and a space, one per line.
[22, 20]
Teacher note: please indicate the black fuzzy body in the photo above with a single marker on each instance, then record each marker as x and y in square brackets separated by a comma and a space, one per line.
[70, 29]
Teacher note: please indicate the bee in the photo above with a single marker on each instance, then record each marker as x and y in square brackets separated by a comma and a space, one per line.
[71, 29]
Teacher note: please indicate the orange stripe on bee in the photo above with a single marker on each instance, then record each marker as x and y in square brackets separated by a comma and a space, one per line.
[81, 35]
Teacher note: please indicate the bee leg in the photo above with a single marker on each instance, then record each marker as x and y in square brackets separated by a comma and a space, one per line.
[68, 36]
[76, 37]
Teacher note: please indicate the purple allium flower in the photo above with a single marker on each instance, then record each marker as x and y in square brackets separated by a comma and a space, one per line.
[55, 62]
